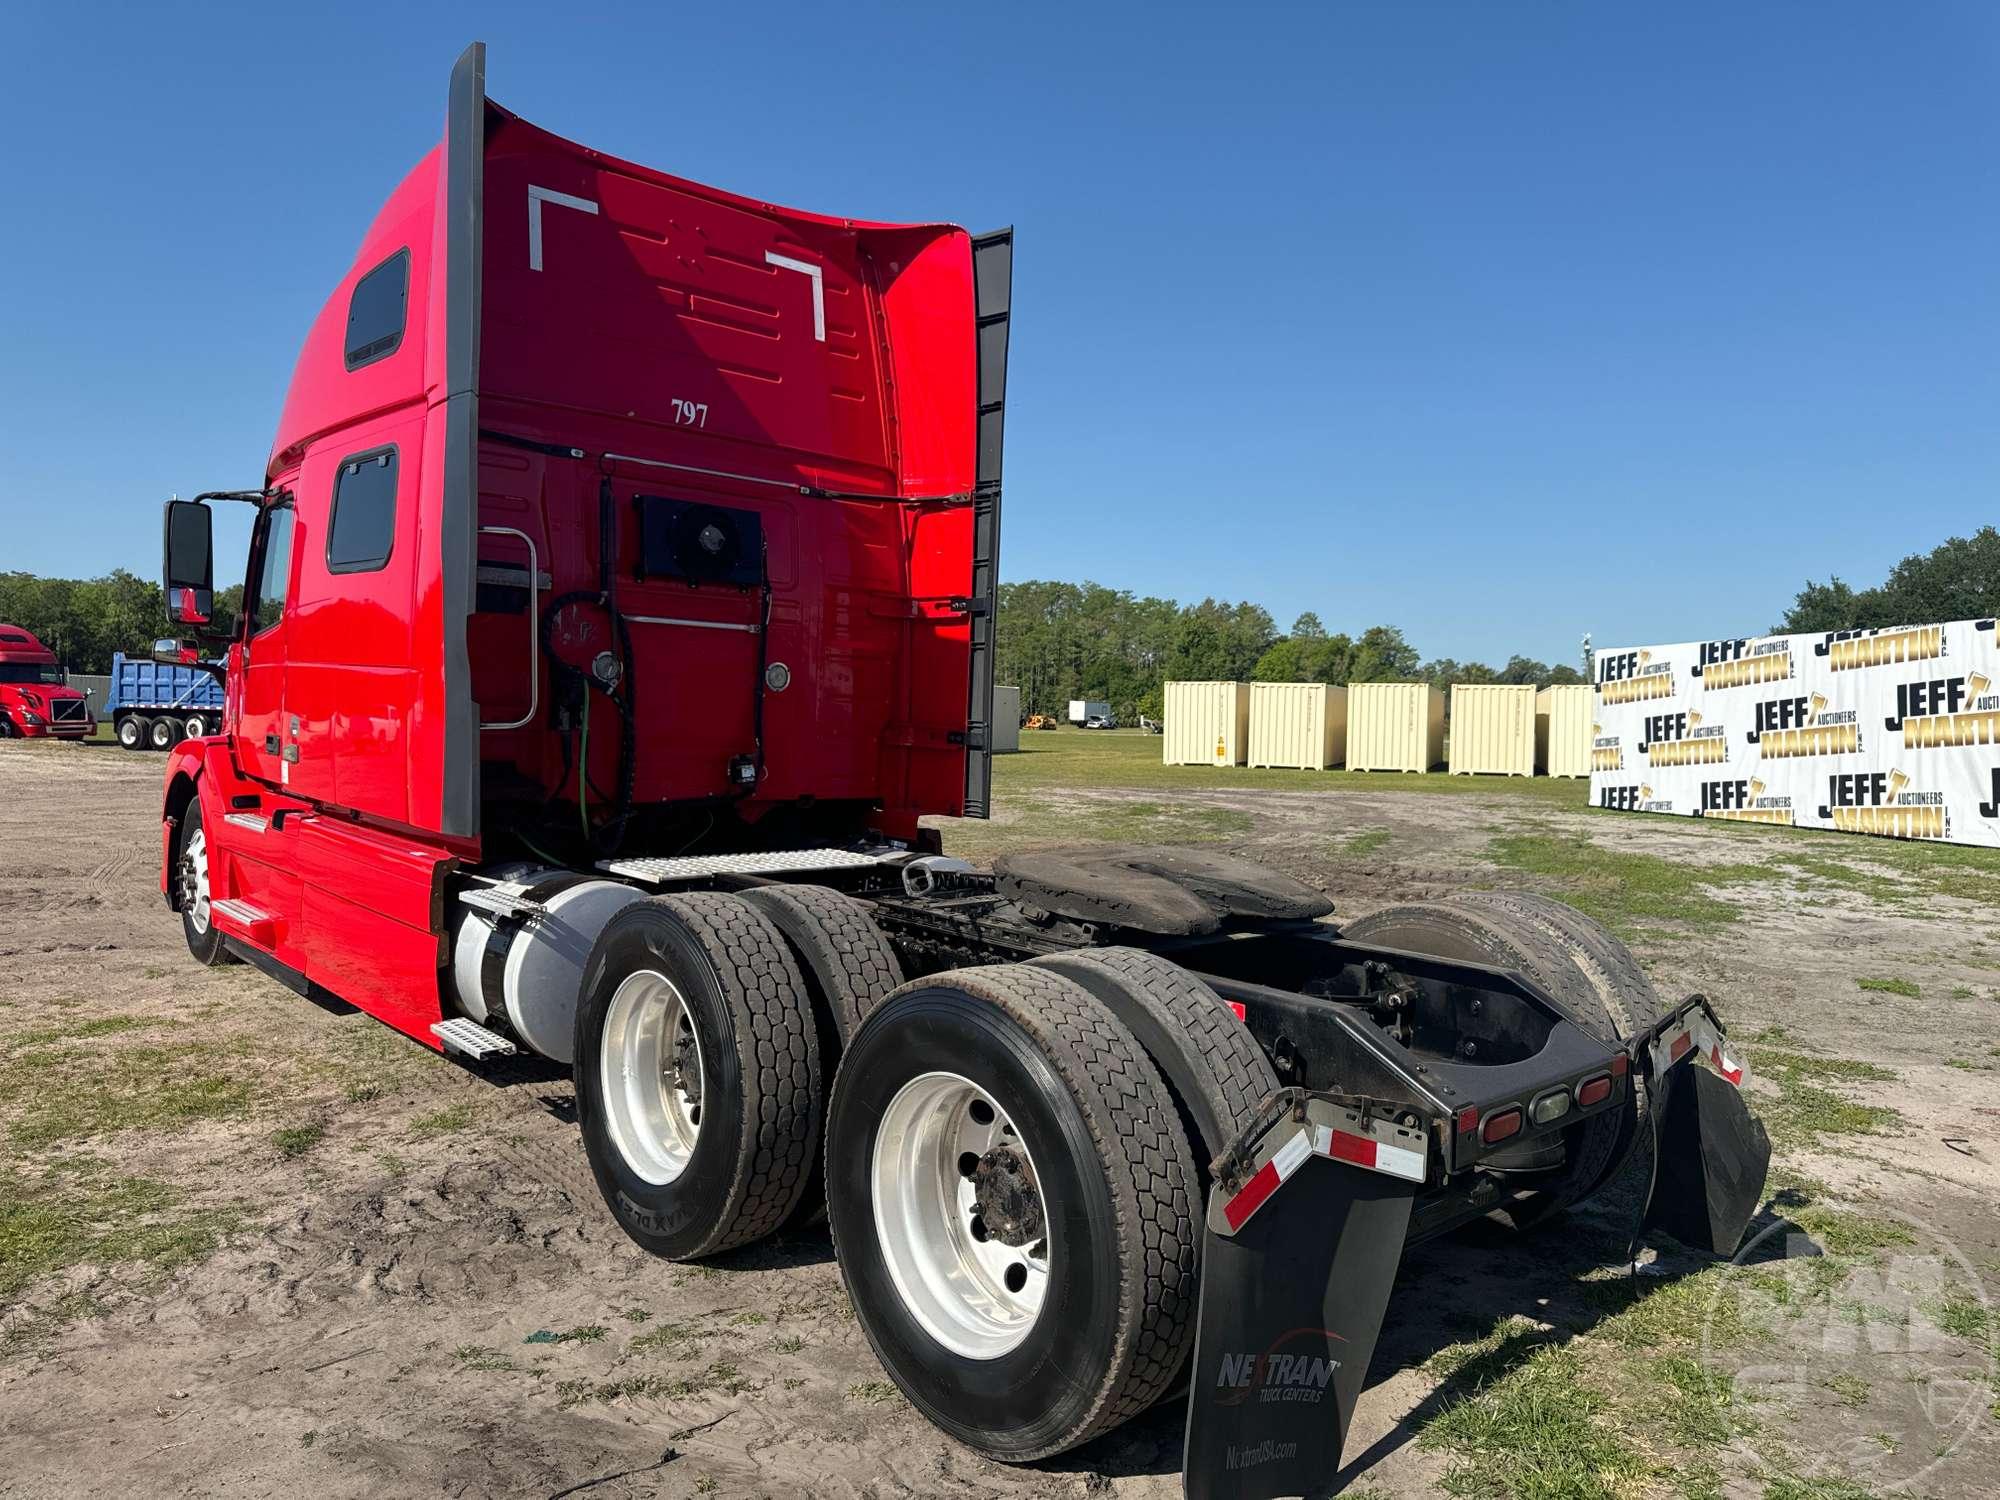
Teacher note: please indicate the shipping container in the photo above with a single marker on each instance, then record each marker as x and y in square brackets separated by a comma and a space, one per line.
[1563, 729]
[1297, 724]
[1005, 735]
[1493, 729]
[1208, 724]
[1394, 726]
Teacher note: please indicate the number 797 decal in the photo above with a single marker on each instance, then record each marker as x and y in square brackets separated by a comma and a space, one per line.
[690, 413]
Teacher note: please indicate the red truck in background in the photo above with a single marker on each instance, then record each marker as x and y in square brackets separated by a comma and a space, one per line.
[620, 597]
[36, 700]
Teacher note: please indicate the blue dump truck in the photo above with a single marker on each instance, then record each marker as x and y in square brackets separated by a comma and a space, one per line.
[153, 705]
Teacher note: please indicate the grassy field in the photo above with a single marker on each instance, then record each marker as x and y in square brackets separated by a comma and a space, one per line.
[205, 1173]
[1129, 759]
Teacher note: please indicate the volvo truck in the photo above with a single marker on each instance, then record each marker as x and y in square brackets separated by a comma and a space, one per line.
[620, 601]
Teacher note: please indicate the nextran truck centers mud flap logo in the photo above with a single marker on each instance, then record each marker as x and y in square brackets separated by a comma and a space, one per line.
[1946, 711]
[1743, 802]
[1253, 1454]
[1629, 676]
[1728, 664]
[1882, 803]
[1607, 752]
[1277, 1376]
[1851, 650]
[1682, 739]
[1788, 727]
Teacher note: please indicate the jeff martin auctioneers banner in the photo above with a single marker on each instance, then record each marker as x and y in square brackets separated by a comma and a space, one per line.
[1889, 732]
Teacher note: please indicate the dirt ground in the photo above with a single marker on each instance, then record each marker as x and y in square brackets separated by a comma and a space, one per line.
[250, 1246]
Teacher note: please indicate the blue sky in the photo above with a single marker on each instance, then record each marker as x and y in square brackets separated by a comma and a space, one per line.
[1496, 321]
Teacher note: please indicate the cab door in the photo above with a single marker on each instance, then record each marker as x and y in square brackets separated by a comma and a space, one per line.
[261, 738]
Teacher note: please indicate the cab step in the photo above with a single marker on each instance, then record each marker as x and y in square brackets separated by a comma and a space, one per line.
[467, 1038]
[239, 919]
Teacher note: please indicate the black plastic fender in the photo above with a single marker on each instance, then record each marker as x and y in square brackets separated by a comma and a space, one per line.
[1710, 1153]
[1711, 1158]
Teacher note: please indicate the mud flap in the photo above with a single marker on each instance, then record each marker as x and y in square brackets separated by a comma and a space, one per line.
[1291, 1304]
[1710, 1158]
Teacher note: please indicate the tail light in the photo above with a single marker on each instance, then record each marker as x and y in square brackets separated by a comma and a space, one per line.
[1549, 1107]
[1501, 1124]
[1593, 1091]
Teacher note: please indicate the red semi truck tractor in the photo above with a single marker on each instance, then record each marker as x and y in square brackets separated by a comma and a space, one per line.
[619, 599]
[36, 701]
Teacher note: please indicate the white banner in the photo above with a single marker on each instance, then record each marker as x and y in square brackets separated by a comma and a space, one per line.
[1888, 732]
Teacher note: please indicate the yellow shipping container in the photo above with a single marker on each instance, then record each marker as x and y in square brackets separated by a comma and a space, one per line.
[1563, 730]
[1297, 724]
[1493, 729]
[1394, 726]
[1207, 724]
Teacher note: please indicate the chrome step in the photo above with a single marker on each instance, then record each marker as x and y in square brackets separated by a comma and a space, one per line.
[469, 1039]
[237, 916]
[502, 900]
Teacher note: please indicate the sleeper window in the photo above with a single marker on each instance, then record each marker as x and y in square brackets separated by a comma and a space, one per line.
[363, 530]
[377, 310]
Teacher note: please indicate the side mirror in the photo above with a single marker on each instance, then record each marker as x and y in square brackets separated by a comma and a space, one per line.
[175, 653]
[189, 572]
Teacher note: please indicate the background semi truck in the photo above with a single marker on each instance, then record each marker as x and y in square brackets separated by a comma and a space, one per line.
[153, 704]
[36, 700]
[619, 600]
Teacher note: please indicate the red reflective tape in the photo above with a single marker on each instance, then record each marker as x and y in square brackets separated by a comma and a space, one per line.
[1355, 1148]
[1238, 1209]
[1734, 1075]
[1242, 1014]
[1619, 1065]
[1680, 1046]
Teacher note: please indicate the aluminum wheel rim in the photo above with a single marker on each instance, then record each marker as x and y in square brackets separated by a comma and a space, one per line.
[651, 1064]
[972, 1293]
[194, 880]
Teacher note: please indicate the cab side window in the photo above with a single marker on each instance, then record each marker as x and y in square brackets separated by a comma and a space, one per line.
[363, 530]
[274, 571]
[377, 311]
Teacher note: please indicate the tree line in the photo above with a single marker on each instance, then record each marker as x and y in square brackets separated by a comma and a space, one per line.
[1957, 580]
[1060, 641]
[84, 620]
[1084, 640]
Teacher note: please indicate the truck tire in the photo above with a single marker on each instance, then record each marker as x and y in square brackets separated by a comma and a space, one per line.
[1213, 1067]
[1583, 967]
[194, 726]
[991, 1127]
[192, 892]
[696, 989]
[131, 731]
[162, 733]
[848, 966]
[848, 963]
